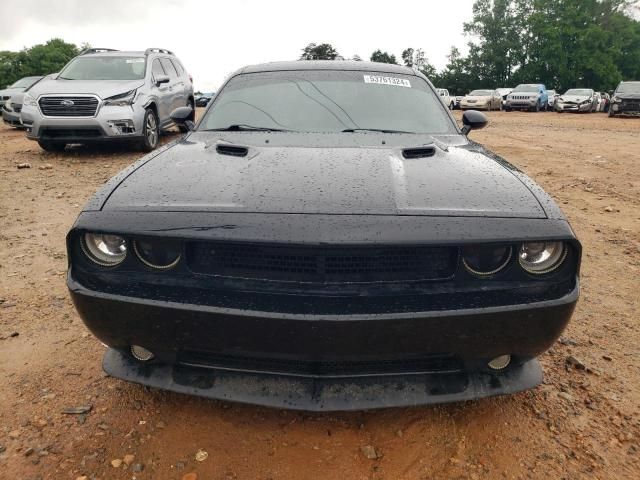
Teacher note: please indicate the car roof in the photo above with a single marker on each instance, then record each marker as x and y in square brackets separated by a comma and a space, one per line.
[326, 65]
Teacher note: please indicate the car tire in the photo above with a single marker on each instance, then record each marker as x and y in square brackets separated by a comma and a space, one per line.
[150, 131]
[184, 128]
[53, 147]
[507, 109]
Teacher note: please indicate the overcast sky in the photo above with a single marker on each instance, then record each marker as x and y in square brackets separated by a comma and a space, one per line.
[213, 39]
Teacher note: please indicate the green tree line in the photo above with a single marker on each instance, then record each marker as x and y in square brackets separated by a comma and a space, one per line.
[41, 59]
[561, 43]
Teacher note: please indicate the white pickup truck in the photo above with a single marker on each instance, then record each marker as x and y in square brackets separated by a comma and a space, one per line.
[448, 100]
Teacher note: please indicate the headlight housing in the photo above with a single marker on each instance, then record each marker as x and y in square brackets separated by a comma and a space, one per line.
[159, 254]
[542, 257]
[122, 100]
[104, 249]
[28, 101]
[485, 260]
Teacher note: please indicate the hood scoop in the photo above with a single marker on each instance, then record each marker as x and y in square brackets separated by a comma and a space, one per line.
[419, 152]
[232, 150]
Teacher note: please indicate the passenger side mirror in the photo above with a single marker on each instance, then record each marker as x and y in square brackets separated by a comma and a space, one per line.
[182, 116]
[160, 79]
[473, 120]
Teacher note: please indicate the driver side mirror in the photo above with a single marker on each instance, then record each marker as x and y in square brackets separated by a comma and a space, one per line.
[182, 116]
[160, 79]
[473, 120]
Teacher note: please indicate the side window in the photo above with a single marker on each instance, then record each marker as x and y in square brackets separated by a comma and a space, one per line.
[156, 68]
[177, 66]
[169, 68]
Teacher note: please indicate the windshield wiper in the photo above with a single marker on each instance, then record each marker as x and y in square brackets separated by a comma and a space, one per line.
[381, 130]
[242, 127]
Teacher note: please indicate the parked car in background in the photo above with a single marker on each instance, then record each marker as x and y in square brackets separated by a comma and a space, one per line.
[625, 99]
[458, 99]
[527, 96]
[447, 99]
[552, 95]
[605, 102]
[13, 106]
[481, 100]
[203, 99]
[576, 100]
[596, 102]
[17, 87]
[341, 284]
[503, 93]
[104, 95]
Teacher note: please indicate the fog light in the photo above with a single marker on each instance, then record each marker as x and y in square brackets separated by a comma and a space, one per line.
[122, 127]
[500, 363]
[141, 353]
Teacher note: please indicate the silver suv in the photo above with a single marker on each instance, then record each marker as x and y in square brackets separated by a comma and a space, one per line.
[108, 95]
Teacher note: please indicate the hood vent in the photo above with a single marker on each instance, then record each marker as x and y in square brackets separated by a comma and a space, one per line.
[420, 152]
[232, 150]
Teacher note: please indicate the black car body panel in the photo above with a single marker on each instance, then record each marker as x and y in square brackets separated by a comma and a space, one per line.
[325, 271]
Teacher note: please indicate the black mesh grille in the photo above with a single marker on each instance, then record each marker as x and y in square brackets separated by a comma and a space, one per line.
[71, 133]
[322, 264]
[61, 106]
[631, 105]
[323, 368]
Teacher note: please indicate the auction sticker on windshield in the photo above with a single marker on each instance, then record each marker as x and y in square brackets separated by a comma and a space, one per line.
[396, 82]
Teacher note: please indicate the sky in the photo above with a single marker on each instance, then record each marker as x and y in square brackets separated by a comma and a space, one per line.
[213, 39]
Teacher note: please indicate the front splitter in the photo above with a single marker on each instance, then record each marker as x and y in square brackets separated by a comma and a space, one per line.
[324, 394]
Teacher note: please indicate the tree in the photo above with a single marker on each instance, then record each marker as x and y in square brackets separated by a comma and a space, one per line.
[41, 59]
[324, 51]
[383, 57]
[418, 60]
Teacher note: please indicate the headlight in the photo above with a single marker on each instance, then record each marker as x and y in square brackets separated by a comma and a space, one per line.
[28, 101]
[542, 257]
[122, 100]
[160, 254]
[486, 260]
[104, 249]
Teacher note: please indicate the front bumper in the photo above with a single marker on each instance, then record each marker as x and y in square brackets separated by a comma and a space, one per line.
[572, 107]
[474, 106]
[520, 104]
[110, 124]
[11, 118]
[255, 357]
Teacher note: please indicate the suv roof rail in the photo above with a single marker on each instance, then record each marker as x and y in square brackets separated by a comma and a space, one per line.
[157, 50]
[97, 50]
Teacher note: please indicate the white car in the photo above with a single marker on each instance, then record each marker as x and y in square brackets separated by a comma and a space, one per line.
[552, 96]
[447, 99]
[576, 100]
[503, 93]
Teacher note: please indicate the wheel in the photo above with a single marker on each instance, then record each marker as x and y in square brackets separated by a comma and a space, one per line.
[536, 108]
[150, 131]
[184, 128]
[507, 109]
[49, 146]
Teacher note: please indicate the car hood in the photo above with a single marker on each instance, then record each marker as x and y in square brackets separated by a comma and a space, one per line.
[101, 88]
[7, 92]
[627, 96]
[455, 181]
[574, 98]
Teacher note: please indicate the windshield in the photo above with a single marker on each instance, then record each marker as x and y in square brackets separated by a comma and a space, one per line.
[328, 101]
[579, 92]
[481, 93]
[25, 82]
[628, 88]
[526, 88]
[105, 68]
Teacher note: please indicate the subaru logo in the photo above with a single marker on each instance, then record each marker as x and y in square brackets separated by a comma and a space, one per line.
[67, 103]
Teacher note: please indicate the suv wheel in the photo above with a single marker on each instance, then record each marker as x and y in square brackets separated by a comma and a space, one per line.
[150, 131]
[183, 128]
[49, 146]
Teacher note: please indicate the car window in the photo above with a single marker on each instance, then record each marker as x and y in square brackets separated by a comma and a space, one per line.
[329, 101]
[169, 68]
[178, 66]
[157, 68]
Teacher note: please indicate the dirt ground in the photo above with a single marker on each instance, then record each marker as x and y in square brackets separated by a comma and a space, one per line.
[583, 422]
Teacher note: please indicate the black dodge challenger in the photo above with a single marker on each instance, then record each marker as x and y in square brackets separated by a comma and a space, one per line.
[325, 238]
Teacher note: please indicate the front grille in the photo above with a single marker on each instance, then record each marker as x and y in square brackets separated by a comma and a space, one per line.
[322, 368]
[322, 264]
[631, 106]
[70, 133]
[61, 106]
[520, 97]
